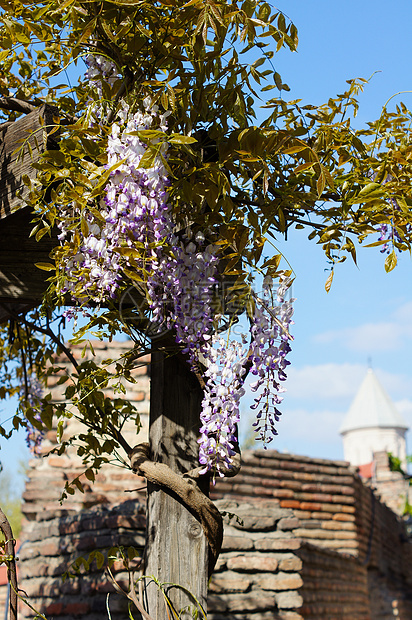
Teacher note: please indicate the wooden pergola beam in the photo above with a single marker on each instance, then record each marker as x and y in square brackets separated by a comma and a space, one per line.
[22, 284]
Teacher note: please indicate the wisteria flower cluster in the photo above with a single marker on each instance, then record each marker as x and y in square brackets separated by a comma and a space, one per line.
[388, 232]
[100, 70]
[269, 350]
[132, 214]
[135, 230]
[220, 407]
[229, 360]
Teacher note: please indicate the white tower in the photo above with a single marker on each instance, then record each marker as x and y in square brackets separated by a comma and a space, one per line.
[372, 424]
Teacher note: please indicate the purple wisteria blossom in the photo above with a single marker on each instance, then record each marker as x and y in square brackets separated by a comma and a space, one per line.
[133, 214]
[99, 70]
[220, 407]
[269, 350]
[131, 229]
[228, 359]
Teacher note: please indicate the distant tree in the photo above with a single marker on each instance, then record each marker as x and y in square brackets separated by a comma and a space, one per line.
[10, 502]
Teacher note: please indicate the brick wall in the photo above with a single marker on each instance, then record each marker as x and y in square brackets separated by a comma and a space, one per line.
[321, 494]
[312, 540]
[335, 586]
[356, 557]
[47, 476]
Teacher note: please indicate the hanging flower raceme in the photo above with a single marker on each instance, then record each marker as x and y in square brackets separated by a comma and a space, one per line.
[100, 70]
[268, 357]
[187, 283]
[389, 235]
[220, 407]
[131, 214]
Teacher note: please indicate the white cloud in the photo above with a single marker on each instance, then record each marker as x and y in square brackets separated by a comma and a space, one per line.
[372, 337]
[324, 381]
[322, 425]
[317, 399]
[306, 432]
[369, 337]
[335, 385]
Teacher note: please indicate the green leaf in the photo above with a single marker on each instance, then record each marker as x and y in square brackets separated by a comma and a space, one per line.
[78, 484]
[45, 266]
[100, 559]
[149, 156]
[59, 432]
[371, 188]
[89, 473]
[177, 138]
[391, 261]
[295, 149]
[303, 167]
[133, 275]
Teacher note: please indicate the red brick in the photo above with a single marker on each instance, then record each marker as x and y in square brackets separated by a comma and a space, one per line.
[54, 609]
[282, 493]
[310, 506]
[290, 503]
[140, 370]
[77, 609]
[343, 517]
[50, 548]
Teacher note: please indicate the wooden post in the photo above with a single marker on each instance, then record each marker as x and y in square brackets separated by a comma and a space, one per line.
[177, 550]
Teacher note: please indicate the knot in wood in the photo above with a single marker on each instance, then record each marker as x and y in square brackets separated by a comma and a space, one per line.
[195, 530]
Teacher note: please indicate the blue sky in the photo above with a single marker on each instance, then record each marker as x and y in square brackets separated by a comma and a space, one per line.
[367, 313]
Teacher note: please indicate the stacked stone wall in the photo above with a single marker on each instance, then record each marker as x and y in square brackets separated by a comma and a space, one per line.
[321, 494]
[57, 539]
[258, 572]
[392, 487]
[311, 540]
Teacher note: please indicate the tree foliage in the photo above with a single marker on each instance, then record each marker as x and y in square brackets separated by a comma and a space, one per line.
[244, 167]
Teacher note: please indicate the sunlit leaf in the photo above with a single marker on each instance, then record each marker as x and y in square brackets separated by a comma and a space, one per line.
[391, 261]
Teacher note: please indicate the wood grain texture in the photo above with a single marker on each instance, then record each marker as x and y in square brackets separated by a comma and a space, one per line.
[22, 284]
[13, 166]
[177, 550]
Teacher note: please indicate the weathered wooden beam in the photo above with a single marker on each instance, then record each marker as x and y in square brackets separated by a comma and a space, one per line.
[22, 284]
[177, 550]
[21, 144]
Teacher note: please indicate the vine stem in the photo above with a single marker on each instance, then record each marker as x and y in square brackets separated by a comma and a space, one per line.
[5, 527]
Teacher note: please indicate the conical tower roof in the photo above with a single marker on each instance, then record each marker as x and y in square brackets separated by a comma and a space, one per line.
[372, 408]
